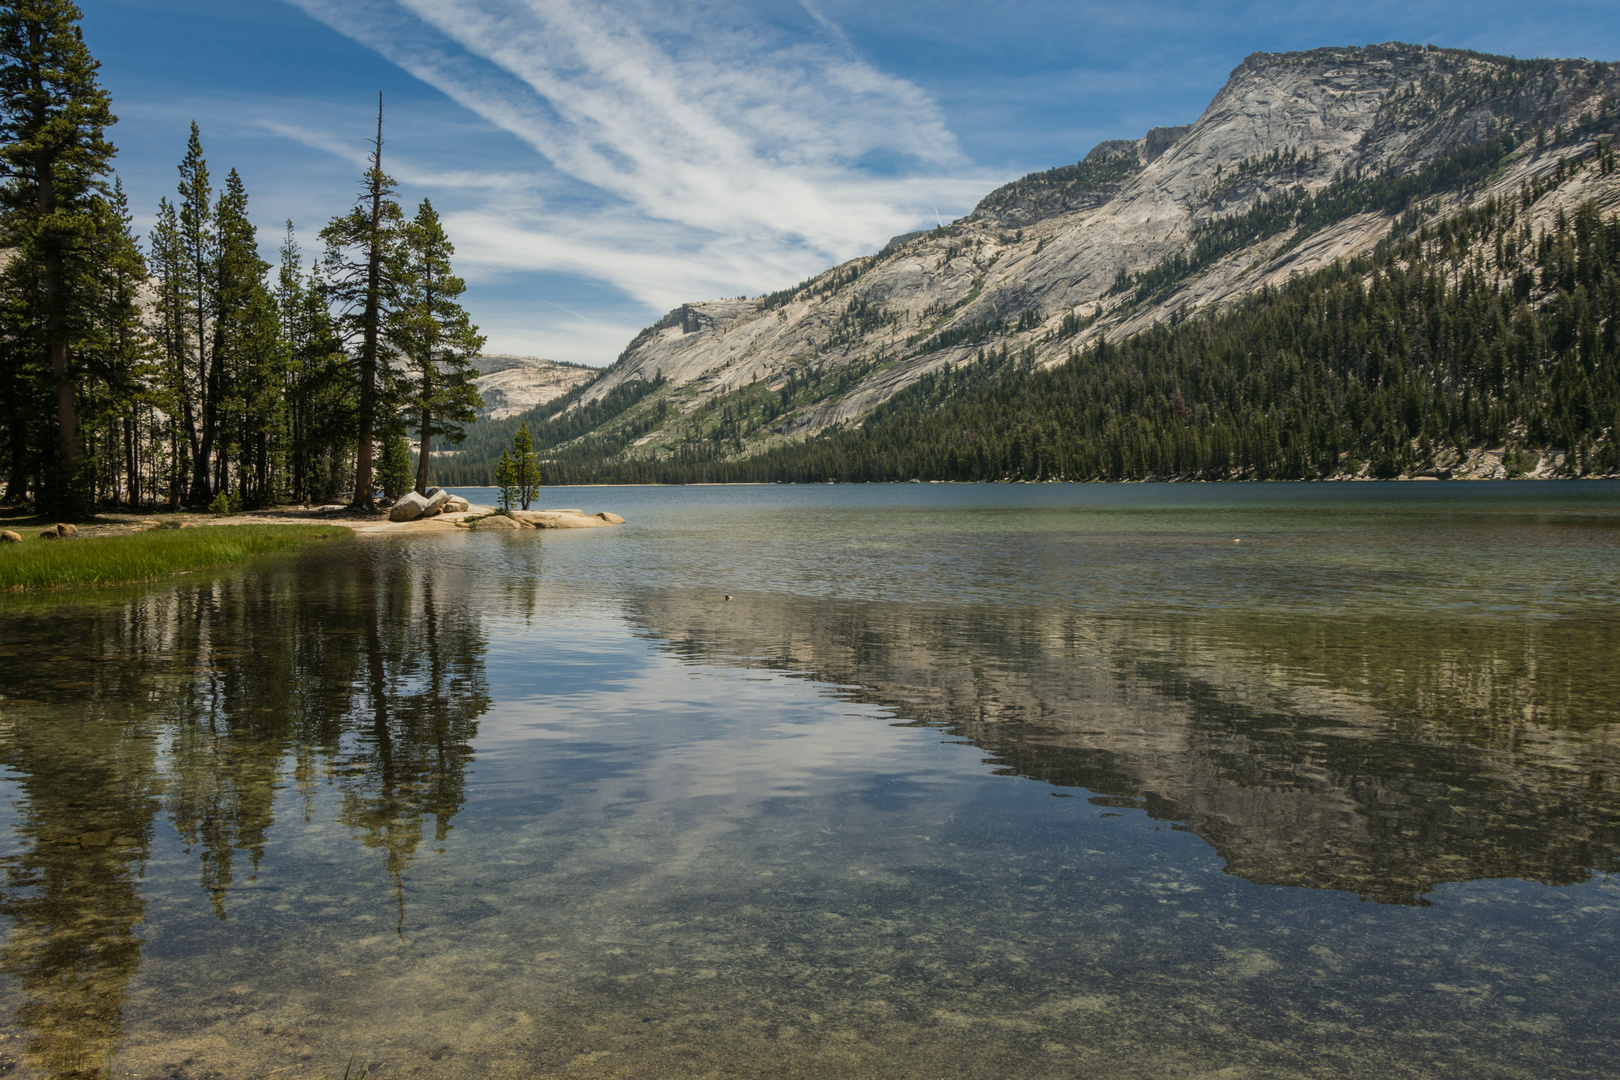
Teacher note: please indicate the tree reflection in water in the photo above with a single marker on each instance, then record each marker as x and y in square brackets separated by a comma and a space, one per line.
[198, 704]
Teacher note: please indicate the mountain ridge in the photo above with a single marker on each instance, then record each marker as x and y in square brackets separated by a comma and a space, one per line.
[1301, 161]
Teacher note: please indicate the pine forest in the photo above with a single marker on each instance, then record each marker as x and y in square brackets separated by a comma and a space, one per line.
[182, 369]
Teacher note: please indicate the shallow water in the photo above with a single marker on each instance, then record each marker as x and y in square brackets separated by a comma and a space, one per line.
[1034, 781]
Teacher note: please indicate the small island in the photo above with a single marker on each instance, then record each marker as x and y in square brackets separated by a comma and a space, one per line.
[438, 510]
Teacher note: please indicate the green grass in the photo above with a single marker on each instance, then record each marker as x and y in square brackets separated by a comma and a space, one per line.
[144, 556]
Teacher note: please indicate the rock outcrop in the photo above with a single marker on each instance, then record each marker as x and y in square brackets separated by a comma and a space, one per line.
[514, 384]
[561, 519]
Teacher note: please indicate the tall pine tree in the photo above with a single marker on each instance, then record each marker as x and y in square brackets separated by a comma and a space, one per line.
[435, 339]
[53, 118]
[199, 370]
[362, 253]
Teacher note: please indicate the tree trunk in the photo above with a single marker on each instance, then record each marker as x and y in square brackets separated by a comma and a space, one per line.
[371, 317]
[17, 480]
[67, 405]
[131, 475]
[422, 454]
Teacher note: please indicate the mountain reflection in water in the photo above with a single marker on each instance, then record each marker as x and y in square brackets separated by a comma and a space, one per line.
[197, 705]
[1380, 756]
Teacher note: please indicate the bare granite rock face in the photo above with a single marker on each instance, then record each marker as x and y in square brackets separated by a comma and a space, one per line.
[1037, 268]
[514, 384]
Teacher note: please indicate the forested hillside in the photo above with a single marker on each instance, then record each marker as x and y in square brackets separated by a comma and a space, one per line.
[1412, 360]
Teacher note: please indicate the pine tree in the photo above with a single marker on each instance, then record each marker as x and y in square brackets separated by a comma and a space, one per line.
[200, 378]
[361, 259]
[321, 392]
[436, 340]
[170, 324]
[120, 356]
[504, 470]
[524, 470]
[53, 118]
[248, 352]
[394, 466]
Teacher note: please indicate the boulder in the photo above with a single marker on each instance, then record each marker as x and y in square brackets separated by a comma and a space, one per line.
[410, 507]
[9, 537]
[436, 498]
[49, 534]
[66, 532]
[495, 522]
[455, 504]
[611, 518]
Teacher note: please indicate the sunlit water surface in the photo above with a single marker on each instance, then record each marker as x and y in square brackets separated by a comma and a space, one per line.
[1003, 781]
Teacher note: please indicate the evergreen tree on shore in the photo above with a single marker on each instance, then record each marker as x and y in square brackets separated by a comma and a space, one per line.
[56, 158]
[435, 339]
[362, 257]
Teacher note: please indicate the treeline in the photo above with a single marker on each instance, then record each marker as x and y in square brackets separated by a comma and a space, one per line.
[193, 373]
[1476, 331]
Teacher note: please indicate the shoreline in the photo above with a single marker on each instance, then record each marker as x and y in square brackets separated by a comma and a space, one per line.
[1150, 480]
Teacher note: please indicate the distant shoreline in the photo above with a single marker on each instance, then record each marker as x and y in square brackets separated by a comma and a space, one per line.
[1095, 483]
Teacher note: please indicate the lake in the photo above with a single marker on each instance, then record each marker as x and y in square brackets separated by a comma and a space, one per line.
[920, 781]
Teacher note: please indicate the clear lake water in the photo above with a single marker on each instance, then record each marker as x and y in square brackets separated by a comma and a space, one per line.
[887, 781]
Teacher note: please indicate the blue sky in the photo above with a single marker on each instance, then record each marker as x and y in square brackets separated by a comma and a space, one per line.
[598, 162]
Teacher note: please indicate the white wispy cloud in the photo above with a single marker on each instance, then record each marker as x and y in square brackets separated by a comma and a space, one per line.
[717, 154]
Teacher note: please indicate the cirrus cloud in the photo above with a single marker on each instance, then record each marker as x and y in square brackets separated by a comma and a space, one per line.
[686, 153]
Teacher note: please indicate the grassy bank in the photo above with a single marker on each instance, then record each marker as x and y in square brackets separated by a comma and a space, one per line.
[145, 556]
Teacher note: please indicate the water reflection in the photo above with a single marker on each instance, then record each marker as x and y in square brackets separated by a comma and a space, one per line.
[1382, 756]
[755, 838]
[197, 705]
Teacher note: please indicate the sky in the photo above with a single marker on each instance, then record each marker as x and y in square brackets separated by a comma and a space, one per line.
[600, 162]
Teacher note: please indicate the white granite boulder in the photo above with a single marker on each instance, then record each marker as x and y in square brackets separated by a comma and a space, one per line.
[436, 499]
[409, 507]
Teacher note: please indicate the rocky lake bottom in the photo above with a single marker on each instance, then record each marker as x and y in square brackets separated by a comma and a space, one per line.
[1283, 780]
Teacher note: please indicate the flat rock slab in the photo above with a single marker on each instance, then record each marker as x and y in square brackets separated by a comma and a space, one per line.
[485, 519]
[555, 519]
